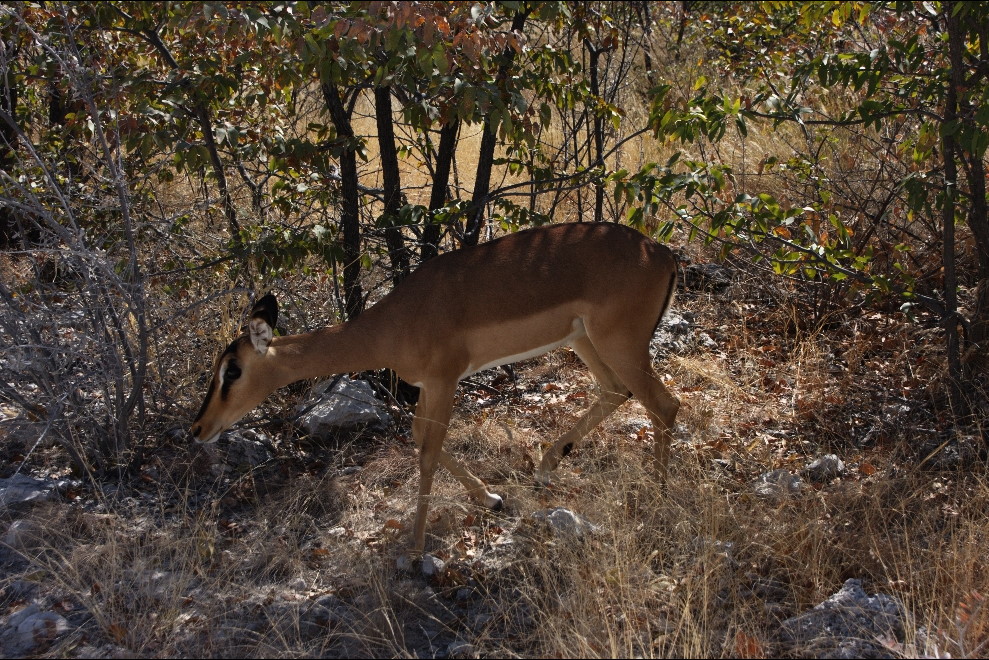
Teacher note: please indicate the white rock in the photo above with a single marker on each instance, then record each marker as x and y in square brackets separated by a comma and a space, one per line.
[565, 522]
[778, 483]
[825, 468]
[432, 565]
[461, 649]
[849, 624]
[28, 629]
[246, 449]
[21, 534]
[22, 488]
[350, 404]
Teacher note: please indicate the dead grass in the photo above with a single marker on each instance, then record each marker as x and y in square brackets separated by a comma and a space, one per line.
[299, 558]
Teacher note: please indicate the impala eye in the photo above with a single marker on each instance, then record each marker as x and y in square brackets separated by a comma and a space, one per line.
[232, 372]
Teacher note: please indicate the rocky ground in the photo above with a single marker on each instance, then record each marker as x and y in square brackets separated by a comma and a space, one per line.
[290, 540]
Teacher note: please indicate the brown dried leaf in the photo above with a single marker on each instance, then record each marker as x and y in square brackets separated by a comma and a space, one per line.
[748, 646]
[117, 632]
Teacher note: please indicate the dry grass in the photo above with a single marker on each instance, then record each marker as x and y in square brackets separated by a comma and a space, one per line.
[299, 558]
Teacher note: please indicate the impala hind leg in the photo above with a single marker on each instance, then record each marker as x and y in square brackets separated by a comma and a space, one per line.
[476, 488]
[627, 355]
[612, 394]
[659, 403]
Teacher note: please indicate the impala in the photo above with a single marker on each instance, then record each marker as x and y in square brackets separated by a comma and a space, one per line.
[599, 288]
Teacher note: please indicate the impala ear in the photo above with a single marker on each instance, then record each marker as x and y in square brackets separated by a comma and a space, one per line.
[263, 319]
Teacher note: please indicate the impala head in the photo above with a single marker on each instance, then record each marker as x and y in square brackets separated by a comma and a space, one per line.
[241, 377]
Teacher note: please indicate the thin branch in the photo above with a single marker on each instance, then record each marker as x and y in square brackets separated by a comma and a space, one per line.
[923, 112]
[933, 304]
[500, 192]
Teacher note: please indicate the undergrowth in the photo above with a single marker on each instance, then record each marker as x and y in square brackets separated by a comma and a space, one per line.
[298, 556]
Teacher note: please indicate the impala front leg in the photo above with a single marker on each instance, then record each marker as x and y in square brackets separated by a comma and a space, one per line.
[429, 430]
[427, 468]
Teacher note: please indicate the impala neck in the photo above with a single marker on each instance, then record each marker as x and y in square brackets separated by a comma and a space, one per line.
[353, 346]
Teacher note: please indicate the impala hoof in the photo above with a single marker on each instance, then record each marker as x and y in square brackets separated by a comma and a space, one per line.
[423, 564]
[544, 479]
[494, 502]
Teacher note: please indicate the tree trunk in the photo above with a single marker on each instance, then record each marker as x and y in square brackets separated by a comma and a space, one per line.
[8, 138]
[684, 9]
[597, 127]
[441, 182]
[350, 202]
[229, 211]
[959, 107]
[642, 12]
[489, 138]
[398, 253]
[482, 185]
[949, 148]
[978, 222]
[206, 126]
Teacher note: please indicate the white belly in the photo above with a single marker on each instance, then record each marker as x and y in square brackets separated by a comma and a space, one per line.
[511, 338]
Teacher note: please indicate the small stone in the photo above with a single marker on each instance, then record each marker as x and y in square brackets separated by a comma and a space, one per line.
[824, 469]
[777, 484]
[849, 624]
[404, 563]
[707, 277]
[21, 534]
[22, 488]
[298, 584]
[29, 629]
[565, 522]
[432, 565]
[482, 620]
[246, 449]
[348, 404]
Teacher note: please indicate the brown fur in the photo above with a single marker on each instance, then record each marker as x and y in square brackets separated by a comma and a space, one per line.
[600, 288]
